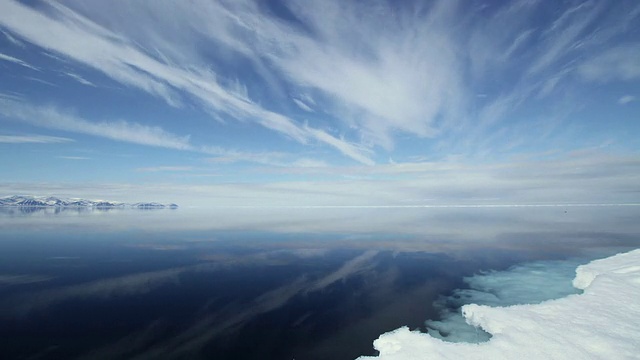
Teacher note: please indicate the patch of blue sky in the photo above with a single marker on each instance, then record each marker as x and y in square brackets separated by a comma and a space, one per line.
[321, 84]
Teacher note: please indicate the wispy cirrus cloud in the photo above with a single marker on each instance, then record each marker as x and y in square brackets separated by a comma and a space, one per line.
[393, 70]
[302, 105]
[269, 158]
[117, 57]
[17, 61]
[626, 99]
[166, 169]
[79, 79]
[52, 118]
[73, 157]
[538, 51]
[33, 139]
[619, 63]
[370, 74]
[12, 39]
[588, 177]
[389, 72]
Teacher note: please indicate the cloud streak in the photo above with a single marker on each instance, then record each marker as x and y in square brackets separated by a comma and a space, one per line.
[166, 169]
[33, 139]
[79, 79]
[17, 61]
[52, 118]
[73, 157]
[93, 45]
[587, 178]
[331, 73]
[615, 64]
[626, 99]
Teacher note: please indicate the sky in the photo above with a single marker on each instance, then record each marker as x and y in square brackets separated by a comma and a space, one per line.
[328, 103]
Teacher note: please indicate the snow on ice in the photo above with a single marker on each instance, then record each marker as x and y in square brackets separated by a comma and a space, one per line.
[601, 323]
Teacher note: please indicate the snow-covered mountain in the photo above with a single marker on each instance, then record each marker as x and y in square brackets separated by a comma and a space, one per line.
[50, 201]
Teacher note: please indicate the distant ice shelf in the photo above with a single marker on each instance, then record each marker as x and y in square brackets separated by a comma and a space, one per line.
[51, 201]
[601, 323]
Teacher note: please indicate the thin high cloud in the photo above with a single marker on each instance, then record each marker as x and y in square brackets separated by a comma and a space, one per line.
[166, 169]
[624, 100]
[369, 73]
[14, 60]
[619, 63]
[52, 118]
[79, 79]
[586, 178]
[75, 158]
[389, 70]
[33, 139]
[12, 39]
[117, 57]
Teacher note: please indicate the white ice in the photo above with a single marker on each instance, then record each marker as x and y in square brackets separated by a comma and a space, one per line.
[601, 323]
[526, 283]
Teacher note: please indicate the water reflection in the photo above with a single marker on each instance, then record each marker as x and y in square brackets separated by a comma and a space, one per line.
[49, 210]
[260, 283]
[72, 210]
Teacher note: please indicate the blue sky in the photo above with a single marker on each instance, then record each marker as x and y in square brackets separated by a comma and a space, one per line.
[338, 102]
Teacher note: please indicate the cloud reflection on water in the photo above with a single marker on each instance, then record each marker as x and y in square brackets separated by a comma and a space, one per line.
[400, 260]
[450, 221]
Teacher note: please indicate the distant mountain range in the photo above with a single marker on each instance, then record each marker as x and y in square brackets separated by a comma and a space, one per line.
[54, 202]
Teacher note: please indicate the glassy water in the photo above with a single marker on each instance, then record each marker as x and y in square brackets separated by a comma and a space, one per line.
[261, 283]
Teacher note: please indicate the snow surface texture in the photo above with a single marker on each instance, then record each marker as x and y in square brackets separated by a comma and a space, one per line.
[601, 323]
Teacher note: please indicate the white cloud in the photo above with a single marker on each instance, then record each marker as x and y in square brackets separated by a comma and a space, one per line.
[165, 169]
[79, 79]
[352, 150]
[50, 117]
[626, 99]
[53, 118]
[302, 105]
[386, 74]
[307, 99]
[12, 39]
[537, 57]
[309, 163]
[12, 96]
[379, 71]
[587, 178]
[619, 63]
[565, 34]
[73, 157]
[41, 81]
[39, 139]
[17, 61]
[87, 42]
[271, 158]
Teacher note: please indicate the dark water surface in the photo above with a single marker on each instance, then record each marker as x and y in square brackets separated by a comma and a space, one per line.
[260, 283]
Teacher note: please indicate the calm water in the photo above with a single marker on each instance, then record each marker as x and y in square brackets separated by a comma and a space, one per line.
[261, 283]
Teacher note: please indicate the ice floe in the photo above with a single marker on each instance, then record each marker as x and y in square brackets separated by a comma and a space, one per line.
[601, 323]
